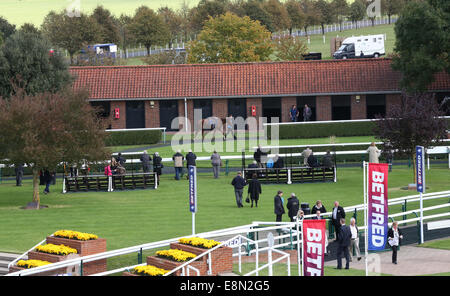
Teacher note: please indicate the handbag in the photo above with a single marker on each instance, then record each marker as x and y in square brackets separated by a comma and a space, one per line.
[247, 200]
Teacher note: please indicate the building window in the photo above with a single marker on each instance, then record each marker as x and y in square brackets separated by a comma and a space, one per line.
[375, 105]
[341, 108]
[102, 108]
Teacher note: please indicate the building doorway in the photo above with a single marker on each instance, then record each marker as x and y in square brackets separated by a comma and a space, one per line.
[168, 111]
[135, 117]
[375, 105]
[271, 107]
[311, 102]
[341, 108]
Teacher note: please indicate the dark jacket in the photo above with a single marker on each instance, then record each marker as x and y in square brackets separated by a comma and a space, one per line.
[279, 163]
[190, 159]
[344, 236]
[278, 205]
[145, 158]
[391, 234]
[292, 206]
[257, 155]
[254, 189]
[327, 161]
[312, 161]
[121, 160]
[253, 166]
[340, 214]
[47, 177]
[238, 182]
[314, 209]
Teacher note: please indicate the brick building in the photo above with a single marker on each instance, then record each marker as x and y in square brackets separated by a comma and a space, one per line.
[151, 96]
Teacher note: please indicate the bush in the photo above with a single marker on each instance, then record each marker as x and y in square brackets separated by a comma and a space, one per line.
[318, 130]
[133, 137]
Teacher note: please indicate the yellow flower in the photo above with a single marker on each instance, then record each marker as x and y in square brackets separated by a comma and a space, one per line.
[55, 249]
[150, 270]
[32, 263]
[75, 235]
[177, 255]
[199, 242]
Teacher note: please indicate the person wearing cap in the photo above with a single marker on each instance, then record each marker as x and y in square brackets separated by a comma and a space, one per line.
[278, 206]
[239, 184]
[292, 206]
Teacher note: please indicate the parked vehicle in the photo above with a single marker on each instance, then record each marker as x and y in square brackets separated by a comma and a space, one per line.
[370, 46]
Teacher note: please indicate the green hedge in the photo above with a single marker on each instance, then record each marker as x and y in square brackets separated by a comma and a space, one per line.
[133, 137]
[319, 130]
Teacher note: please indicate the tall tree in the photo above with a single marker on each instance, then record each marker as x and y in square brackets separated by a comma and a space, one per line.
[70, 33]
[296, 15]
[357, 11]
[173, 22]
[391, 7]
[421, 45]
[109, 32]
[340, 8]
[279, 15]
[26, 61]
[312, 14]
[148, 28]
[255, 10]
[6, 28]
[126, 38]
[46, 129]
[416, 121]
[229, 38]
[205, 9]
[326, 13]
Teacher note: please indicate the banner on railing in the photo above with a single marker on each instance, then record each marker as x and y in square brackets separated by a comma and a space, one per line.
[377, 205]
[420, 173]
[314, 232]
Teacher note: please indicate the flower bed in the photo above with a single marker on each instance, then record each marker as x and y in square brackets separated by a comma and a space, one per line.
[70, 234]
[169, 264]
[31, 263]
[149, 270]
[199, 242]
[56, 249]
[176, 255]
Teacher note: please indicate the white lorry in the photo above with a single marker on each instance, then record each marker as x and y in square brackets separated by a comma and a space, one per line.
[361, 47]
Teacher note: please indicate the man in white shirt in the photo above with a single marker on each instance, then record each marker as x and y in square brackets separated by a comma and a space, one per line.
[355, 240]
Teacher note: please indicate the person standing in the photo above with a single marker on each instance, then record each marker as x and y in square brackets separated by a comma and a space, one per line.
[259, 155]
[327, 162]
[307, 113]
[344, 238]
[145, 159]
[394, 237]
[293, 206]
[312, 161]
[374, 153]
[293, 113]
[278, 206]
[120, 159]
[254, 189]
[216, 162]
[47, 180]
[178, 159]
[338, 213]
[239, 184]
[354, 242]
[190, 160]
[318, 207]
[157, 165]
[18, 169]
[306, 153]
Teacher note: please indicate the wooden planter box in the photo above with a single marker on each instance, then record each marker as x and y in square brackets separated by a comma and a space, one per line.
[85, 248]
[47, 273]
[222, 258]
[168, 264]
[34, 255]
[126, 273]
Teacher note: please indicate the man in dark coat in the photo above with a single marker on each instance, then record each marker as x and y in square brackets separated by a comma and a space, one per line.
[120, 159]
[157, 165]
[344, 239]
[47, 177]
[254, 189]
[279, 163]
[145, 159]
[278, 206]
[238, 184]
[258, 155]
[190, 160]
[327, 161]
[18, 168]
[337, 214]
[312, 160]
[292, 206]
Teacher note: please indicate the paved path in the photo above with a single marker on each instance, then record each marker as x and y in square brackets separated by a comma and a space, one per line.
[412, 260]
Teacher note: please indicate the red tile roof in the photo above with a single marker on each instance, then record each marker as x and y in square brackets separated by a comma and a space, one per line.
[244, 79]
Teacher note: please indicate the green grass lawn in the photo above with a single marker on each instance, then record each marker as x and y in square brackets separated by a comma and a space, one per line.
[443, 244]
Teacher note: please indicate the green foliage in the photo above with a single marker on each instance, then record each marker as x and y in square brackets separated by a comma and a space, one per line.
[148, 28]
[230, 38]
[357, 11]
[165, 57]
[26, 61]
[290, 48]
[422, 45]
[109, 31]
[133, 137]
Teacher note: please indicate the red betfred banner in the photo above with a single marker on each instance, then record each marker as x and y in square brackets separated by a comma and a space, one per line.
[377, 199]
[313, 247]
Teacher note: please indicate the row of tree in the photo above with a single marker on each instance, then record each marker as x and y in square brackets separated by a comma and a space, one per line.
[150, 28]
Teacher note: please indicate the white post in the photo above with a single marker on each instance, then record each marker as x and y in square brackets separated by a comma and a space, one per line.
[303, 249]
[289, 176]
[421, 214]
[428, 161]
[366, 224]
[64, 185]
[298, 245]
[193, 223]
[269, 258]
